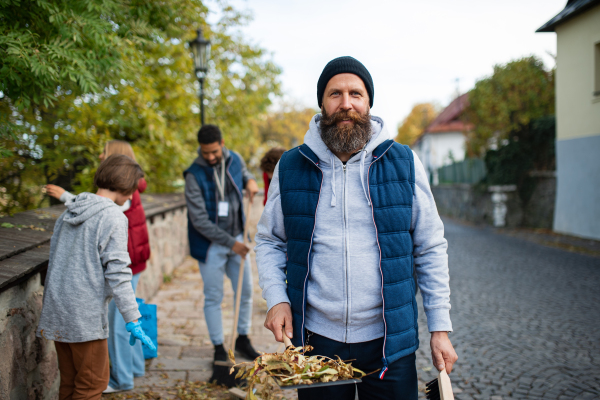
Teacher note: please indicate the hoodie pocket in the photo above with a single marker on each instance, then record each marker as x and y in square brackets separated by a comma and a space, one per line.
[326, 291]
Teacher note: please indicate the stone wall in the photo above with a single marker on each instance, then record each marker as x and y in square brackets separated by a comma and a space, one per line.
[28, 365]
[539, 210]
[474, 203]
[478, 203]
[168, 246]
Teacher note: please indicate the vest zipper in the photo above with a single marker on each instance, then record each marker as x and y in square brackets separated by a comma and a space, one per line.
[316, 164]
[345, 250]
[384, 359]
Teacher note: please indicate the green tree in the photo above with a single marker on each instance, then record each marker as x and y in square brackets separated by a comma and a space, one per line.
[74, 44]
[240, 85]
[416, 121]
[516, 93]
[149, 99]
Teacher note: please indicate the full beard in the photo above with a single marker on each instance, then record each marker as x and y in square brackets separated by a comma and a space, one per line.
[346, 138]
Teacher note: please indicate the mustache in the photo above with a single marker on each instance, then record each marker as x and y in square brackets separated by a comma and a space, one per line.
[343, 115]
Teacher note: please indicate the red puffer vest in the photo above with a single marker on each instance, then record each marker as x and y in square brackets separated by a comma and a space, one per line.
[138, 244]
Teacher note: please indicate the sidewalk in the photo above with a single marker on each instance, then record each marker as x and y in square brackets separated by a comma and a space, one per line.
[546, 237]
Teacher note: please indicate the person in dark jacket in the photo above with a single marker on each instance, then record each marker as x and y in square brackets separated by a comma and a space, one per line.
[213, 191]
[126, 362]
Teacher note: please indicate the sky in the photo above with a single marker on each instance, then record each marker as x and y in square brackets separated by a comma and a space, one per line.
[415, 51]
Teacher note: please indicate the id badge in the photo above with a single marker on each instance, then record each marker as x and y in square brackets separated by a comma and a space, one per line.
[223, 209]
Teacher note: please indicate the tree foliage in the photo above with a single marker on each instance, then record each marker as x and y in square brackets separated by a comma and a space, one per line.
[516, 93]
[285, 128]
[416, 121]
[74, 44]
[143, 91]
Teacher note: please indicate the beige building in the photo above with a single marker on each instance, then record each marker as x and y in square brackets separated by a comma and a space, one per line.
[577, 28]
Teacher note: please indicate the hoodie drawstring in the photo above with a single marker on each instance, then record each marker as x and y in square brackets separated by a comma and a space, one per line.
[362, 174]
[332, 160]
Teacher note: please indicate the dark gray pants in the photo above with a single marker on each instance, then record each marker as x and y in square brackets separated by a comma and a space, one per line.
[399, 381]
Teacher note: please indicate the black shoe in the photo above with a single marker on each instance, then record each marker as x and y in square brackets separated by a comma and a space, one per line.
[220, 353]
[244, 347]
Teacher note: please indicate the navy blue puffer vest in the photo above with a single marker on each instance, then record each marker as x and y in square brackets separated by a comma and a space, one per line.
[391, 180]
[205, 177]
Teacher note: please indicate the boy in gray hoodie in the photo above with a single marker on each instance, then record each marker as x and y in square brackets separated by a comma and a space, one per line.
[87, 267]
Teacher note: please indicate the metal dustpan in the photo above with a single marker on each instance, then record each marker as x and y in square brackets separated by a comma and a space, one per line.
[288, 343]
[319, 384]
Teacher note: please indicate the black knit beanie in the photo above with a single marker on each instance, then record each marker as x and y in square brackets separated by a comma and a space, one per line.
[343, 65]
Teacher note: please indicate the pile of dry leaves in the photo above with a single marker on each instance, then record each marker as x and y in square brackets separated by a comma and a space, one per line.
[182, 390]
[292, 367]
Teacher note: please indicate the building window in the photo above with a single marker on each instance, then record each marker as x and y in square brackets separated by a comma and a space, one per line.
[597, 69]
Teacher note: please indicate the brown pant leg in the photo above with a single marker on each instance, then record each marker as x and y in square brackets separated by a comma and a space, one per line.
[66, 369]
[93, 372]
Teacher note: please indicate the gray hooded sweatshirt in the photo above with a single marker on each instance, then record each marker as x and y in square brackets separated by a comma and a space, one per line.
[88, 266]
[344, 287]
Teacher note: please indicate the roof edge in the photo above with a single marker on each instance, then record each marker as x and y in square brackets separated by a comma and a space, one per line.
[566, 15]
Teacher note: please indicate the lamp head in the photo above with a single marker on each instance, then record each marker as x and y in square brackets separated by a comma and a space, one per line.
[201, 49]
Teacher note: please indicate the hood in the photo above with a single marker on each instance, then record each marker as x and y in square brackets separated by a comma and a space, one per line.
[201, 161]
[84, 206]
[313, 140]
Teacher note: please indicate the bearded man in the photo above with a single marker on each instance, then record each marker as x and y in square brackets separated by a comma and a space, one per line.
[349, 218]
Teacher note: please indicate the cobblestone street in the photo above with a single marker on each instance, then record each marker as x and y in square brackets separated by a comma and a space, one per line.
[525, 317]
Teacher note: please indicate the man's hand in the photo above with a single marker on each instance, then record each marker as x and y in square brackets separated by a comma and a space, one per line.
[278, 316]
[252, 188]
[442, 352]
[241, 249]
[54, 191]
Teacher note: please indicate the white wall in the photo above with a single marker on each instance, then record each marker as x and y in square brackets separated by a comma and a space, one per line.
[434, 150]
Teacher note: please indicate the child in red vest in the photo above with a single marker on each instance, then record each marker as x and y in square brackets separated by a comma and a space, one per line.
[126, 362]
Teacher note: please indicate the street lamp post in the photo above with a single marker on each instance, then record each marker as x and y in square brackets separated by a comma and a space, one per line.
[200, 48]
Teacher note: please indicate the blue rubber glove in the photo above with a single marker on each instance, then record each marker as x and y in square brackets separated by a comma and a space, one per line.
[138, 333]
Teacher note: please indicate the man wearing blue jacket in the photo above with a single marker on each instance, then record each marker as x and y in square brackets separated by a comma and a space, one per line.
[350, 217]
[213, 193]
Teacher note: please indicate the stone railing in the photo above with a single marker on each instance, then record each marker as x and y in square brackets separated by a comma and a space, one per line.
[28, 366]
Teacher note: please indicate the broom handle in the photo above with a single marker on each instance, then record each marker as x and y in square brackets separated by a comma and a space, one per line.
[445, 386]
[238, 296]
[286, 340]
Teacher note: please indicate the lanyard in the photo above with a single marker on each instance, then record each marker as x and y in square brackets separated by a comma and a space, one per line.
[221, 183]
